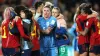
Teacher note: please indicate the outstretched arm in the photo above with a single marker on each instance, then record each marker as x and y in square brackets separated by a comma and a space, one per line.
[20, 28]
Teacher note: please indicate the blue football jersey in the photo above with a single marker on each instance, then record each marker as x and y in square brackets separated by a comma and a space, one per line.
[72, 30]
[47, 40]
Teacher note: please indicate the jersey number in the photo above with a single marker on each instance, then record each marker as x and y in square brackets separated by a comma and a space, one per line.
[4, 32]
[34, 31]
[98, 24]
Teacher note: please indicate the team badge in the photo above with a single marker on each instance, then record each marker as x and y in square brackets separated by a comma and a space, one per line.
[11, 25]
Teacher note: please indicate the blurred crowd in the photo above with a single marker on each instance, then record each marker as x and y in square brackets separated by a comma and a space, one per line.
[68, 7]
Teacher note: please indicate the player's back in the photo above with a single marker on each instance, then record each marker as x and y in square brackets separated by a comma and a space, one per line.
[81, 24]
[5, 32]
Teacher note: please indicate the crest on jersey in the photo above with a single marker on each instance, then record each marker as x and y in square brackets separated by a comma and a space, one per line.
[11, 25]
[53, 22]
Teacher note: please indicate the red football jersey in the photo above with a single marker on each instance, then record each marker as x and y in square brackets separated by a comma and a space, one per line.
[81, 24]
[8, 40]
[4, 33]
[35, 36]
[13, 40]
[93, 25]
[19, 25]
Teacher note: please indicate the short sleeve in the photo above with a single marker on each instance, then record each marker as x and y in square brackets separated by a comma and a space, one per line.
[74, 25]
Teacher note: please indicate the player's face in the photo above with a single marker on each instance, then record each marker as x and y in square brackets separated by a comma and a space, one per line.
[55, 12]
[46, 12]
[22, 14]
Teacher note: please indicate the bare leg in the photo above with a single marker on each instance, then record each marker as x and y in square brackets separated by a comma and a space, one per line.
[83, 54]
[76, 53]
[92, 54]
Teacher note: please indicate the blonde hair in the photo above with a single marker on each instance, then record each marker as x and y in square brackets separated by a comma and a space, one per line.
[48, 7]
[57, 9]
[6, 13]
[48, 4]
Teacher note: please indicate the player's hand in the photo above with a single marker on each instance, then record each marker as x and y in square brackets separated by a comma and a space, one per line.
[16, 18]
[79, 33]
[60, 16]
[77, 38]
